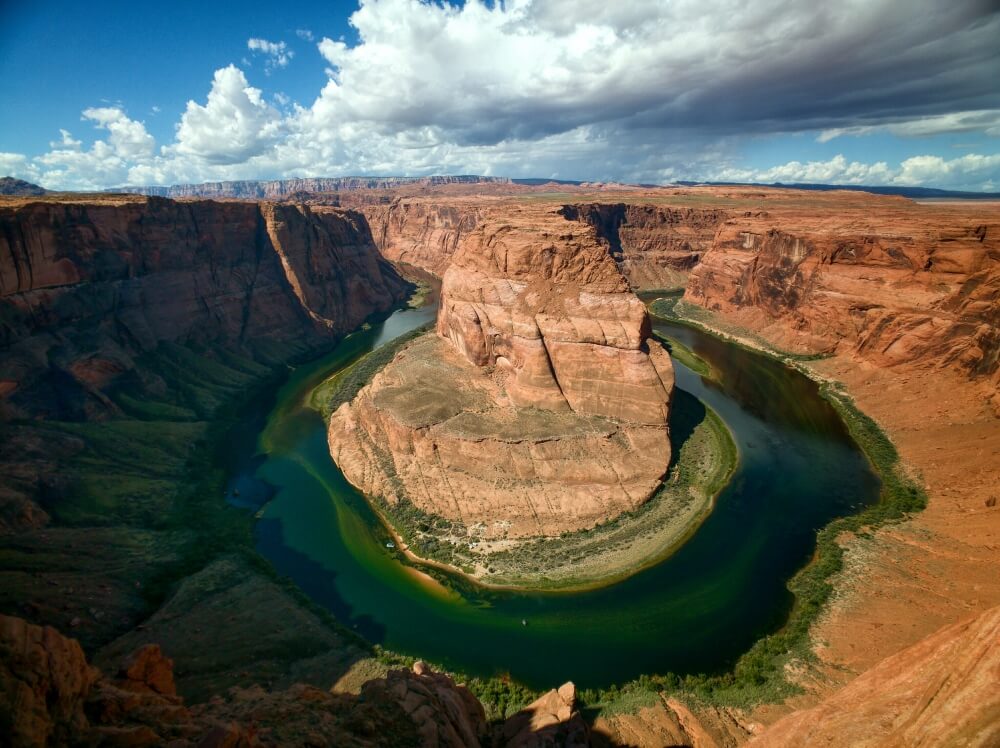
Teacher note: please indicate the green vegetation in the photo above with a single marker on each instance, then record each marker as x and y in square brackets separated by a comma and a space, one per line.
[759, 675]
[703, 458]
[346, 383]
[673, 307]
[685, 355]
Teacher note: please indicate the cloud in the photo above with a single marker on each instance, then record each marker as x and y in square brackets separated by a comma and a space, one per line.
[588, 89]
[278, 54]
[234, 125]
[720, 65]
[985, 121]
[970, 172]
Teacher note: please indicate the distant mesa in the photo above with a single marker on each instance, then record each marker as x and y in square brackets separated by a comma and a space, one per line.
[18, 187]
[283, 189]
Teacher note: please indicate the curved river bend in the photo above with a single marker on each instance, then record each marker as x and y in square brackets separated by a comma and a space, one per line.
[697, 611]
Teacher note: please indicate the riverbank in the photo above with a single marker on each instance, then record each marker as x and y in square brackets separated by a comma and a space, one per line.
[705, 457]
[770, 677]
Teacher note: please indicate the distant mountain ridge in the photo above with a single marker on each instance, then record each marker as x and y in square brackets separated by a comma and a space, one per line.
[279, 188]
[916, 193]
[12, 186]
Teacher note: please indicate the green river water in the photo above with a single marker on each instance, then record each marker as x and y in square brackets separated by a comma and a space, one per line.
[696, 611]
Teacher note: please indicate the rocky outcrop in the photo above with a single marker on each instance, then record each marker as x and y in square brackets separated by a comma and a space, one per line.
[941, 691]
[44, 682]
[50, 696]
[893, 286]
[654, 247]
[87, 287]
[279, 189]
[550, 720]
[98, 295]
[541, 406]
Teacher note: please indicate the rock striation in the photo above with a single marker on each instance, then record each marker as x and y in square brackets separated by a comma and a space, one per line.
[98, 294]
[87, 287]
[941, 691]
[540, 405]
[655, 247]
[421, 233]
[895, 287]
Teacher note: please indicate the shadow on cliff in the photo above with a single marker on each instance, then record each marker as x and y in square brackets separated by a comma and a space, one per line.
[686, 412]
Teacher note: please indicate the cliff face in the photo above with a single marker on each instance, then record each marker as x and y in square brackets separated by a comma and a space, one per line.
[656, 247]
[941, 691]
[540, 406]
[896, 287]
[86, 288]
[423, 234]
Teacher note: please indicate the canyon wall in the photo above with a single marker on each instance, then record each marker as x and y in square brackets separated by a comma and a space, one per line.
[420, 233]
[890, 285]
[87, 287]
[541, 405]
[655, 247]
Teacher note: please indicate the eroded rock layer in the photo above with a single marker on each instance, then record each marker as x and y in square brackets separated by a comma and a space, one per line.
[892, 285]
[654, 246]
[87, 286]
[541, 404]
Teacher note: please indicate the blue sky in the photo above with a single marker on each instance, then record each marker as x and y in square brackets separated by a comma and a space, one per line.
[863, 91]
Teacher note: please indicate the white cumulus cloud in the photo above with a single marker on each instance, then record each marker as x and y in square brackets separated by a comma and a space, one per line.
[234, 125]
[277, 53]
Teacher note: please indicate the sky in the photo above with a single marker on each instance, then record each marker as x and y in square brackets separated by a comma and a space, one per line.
[875, 92]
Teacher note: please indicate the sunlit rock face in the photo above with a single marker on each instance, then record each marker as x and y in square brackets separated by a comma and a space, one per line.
[540, 405]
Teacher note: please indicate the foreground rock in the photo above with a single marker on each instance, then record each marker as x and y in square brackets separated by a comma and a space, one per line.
[50, 696]
[941, 691]
[541, 405]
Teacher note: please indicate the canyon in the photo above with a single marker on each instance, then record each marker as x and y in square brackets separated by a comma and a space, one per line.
[131, 324]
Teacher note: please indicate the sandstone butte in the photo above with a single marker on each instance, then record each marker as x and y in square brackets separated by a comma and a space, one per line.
[541, 403]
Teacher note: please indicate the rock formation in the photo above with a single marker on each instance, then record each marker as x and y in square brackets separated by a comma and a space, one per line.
[91, 289]
[941, 691]
[654, 246]
[87, 286]
[51, 696]
[895, 287]
[540, 406]
[423, 233]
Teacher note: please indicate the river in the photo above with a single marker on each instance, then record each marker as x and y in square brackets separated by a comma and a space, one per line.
[695, 612]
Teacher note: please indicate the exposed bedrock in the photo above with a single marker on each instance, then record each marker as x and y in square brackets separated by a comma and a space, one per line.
[940, 691]
[420, 233]
[654, 246]
[541, 404]
[102, 298]
[85, 288]
[900, 289]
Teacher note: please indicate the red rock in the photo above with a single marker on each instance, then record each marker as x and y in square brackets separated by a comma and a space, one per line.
[941, 691]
